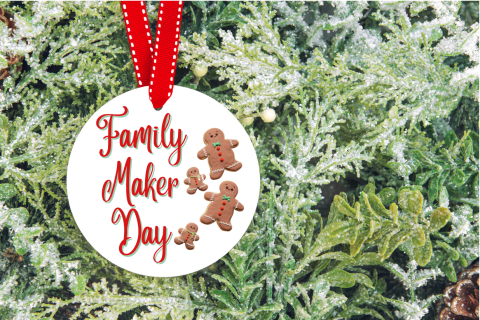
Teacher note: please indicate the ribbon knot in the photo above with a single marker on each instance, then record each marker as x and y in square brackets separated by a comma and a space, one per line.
[226, 198]
[216, 144]
[154, 62]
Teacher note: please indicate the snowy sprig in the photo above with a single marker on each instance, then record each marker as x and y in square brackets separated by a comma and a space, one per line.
[412, 278]
[415, 308]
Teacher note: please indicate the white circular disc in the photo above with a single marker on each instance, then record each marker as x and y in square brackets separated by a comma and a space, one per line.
[194, 113]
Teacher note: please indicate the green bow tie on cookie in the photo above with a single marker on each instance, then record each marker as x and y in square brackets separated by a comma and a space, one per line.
[226, 198]
[216, 144]
[192, 234]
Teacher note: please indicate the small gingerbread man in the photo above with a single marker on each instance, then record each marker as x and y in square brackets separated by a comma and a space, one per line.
[223, 206]
[219, 152]
[195, 181]
[188, 236]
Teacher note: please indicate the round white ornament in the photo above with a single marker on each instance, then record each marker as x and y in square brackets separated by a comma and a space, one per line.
[153, 159]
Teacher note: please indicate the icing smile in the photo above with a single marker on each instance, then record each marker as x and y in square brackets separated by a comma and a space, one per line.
[232, 190]
[214, 136]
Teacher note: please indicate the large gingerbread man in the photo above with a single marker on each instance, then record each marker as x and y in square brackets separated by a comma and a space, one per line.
[195, 181]
[222, 207]
[188, 236]
[219, 152]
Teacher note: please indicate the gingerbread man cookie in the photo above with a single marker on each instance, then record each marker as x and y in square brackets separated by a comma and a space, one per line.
[188, 236]
[195, 181]
[222, 207]
[219, 152]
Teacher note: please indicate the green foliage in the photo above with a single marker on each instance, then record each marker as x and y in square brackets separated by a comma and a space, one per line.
[465, 117]
[209, 17]
[359, 88]
[447, 172]
[242, 281]
[458, 241]
[370, 224]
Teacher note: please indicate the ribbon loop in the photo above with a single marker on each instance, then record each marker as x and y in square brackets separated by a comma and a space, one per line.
[154, 64]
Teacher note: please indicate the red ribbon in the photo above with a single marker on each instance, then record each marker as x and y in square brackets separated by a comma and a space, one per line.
[154, 63]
